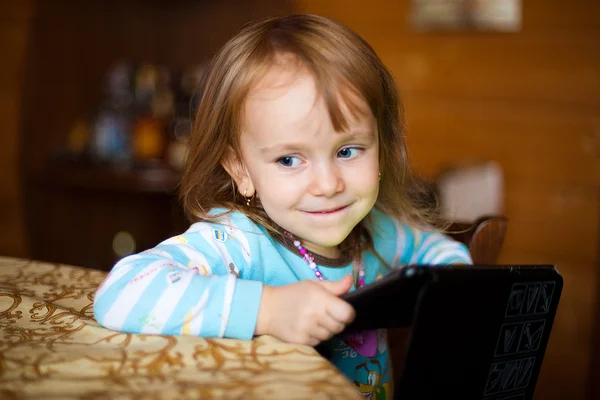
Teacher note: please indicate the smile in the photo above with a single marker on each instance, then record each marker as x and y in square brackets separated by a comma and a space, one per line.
[327, 212]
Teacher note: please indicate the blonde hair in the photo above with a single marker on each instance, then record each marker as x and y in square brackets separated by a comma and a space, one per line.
[343, 65]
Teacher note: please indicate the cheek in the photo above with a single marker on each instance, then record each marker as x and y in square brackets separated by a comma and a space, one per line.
[368, 186]
[366, 176]
[369, 178]
[279, 191]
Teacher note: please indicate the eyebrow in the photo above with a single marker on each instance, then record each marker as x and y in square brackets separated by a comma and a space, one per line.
[292, 147]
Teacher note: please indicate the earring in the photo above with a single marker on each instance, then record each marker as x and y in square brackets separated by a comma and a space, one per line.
[247, 199]
[380, 176]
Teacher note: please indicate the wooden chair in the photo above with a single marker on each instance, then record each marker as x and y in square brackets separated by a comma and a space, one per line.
[484, 239]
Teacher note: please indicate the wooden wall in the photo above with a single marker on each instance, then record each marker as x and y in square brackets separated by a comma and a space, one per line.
[15, 20]
[530, 101]
[74, 42]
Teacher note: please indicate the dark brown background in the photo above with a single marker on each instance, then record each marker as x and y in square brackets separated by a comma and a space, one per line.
[529, 100]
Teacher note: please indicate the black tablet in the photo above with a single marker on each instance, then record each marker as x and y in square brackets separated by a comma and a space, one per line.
[480, 332]
[477, 332]
[389, 302]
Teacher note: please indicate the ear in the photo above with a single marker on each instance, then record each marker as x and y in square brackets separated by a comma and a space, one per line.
[236, 168]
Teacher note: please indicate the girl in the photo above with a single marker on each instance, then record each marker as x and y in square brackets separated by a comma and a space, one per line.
[298, 184]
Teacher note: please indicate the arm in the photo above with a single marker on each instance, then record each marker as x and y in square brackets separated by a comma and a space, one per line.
[433, 248]
[189, 285]
[184, 286]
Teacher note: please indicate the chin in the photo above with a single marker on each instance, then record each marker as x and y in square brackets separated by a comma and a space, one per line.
[329, 240]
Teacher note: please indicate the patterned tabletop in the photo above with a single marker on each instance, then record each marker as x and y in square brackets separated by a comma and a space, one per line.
[52, 347]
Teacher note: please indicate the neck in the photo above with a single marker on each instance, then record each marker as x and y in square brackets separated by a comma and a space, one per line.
[329, 252]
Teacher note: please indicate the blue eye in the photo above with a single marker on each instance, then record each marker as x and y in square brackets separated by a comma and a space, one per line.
[348, 152]
[289, 161]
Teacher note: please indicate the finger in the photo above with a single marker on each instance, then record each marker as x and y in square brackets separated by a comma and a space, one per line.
[331, 324]
[321, 333]
[312, 341]
[337, 288]
[304, 339]
[340, 310]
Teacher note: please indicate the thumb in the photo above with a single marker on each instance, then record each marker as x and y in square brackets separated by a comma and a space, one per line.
[338, 288]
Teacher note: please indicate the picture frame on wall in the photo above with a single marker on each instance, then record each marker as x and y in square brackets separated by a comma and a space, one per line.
[466, 15]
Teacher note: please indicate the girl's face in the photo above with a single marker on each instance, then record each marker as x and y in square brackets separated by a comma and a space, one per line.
[312, 181]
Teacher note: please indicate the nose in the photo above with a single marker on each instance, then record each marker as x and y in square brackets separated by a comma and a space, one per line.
[327, 181]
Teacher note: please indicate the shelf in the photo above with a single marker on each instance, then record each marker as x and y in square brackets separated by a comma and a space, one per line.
[149, 180]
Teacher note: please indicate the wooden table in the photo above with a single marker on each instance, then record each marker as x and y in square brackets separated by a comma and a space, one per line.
[52, 347]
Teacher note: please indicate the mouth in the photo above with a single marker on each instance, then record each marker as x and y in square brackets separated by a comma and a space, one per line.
[327, 211]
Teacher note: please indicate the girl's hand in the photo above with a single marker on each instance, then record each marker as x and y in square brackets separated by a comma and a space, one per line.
[306, 312]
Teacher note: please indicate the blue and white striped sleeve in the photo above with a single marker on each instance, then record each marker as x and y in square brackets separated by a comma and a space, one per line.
[432, 248]
[192, 284]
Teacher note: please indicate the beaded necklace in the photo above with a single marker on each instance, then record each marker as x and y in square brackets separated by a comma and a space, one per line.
[310, 260]
[364, 342]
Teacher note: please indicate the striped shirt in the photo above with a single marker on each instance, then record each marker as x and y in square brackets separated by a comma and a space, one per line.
[208, 281]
